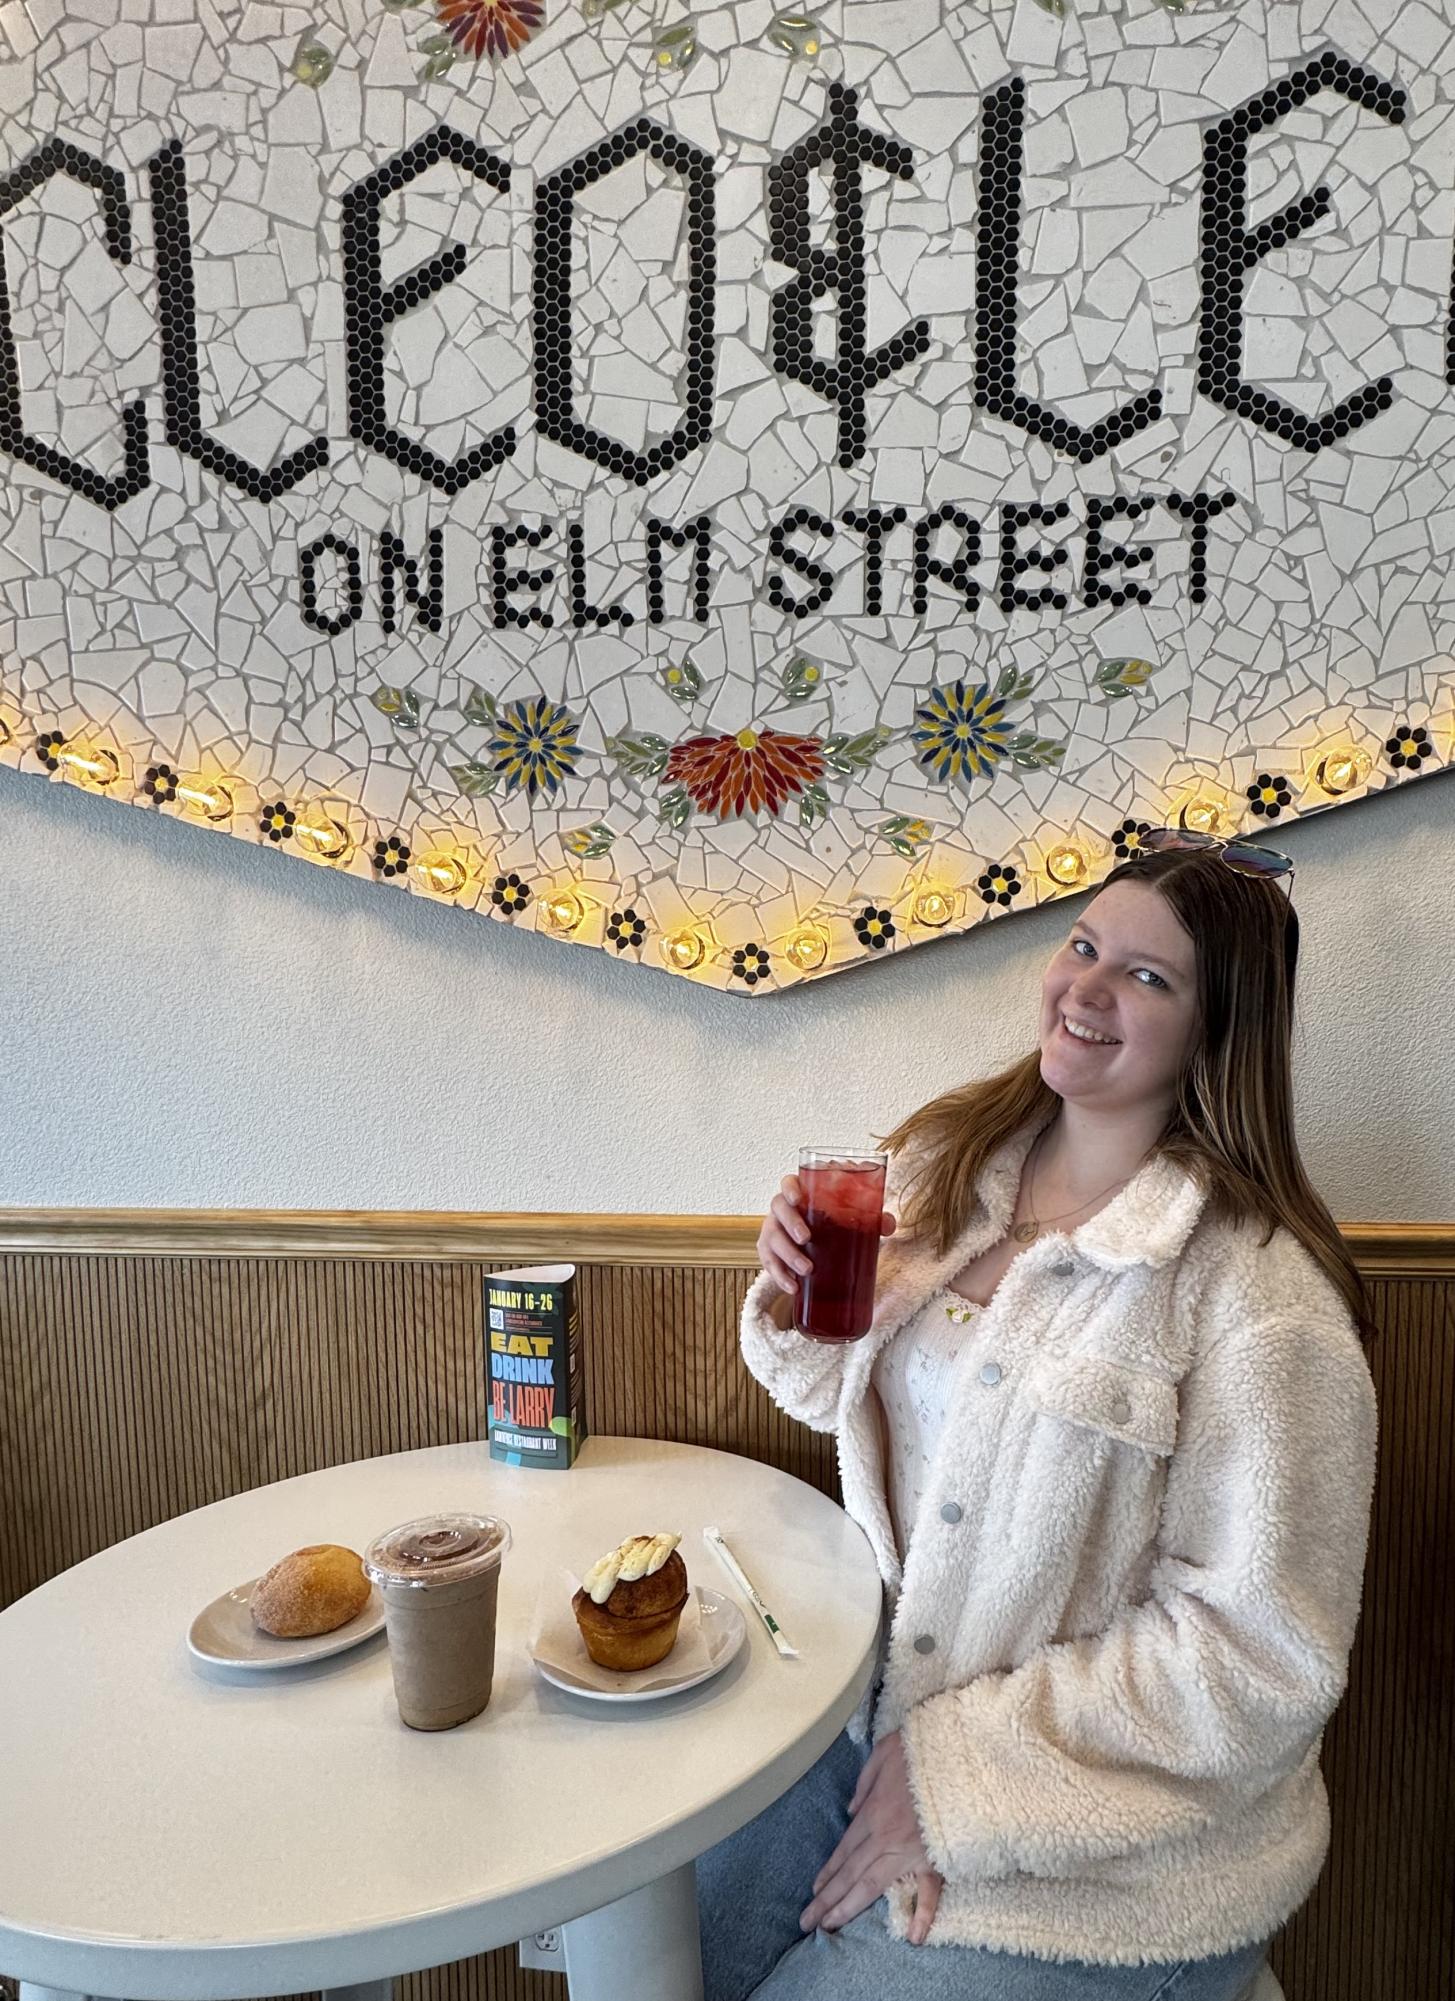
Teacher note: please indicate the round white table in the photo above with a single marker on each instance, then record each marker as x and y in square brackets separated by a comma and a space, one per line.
[189, 1834]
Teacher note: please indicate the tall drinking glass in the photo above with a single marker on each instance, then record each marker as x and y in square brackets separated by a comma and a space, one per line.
[843, 1200]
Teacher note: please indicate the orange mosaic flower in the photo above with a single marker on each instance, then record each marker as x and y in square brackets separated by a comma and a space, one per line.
[733, 775]
[491, 27]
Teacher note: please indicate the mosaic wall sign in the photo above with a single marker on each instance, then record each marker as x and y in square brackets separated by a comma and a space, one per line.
[745, 490]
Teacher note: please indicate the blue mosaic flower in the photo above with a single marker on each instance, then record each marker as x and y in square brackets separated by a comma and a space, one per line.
[961, 733]
[534, 745]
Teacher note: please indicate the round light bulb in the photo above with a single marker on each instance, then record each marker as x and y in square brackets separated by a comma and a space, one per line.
[683, 950]
[92, 767]
[205, 797]
[1202, 814]
[933, 908]
[564, 911]
[322, 839]
[1341, 769]
[1067, 865]
[440, 874]
[807, 948]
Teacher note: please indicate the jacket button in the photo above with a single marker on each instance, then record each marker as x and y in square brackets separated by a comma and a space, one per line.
[951, 1512]
[990, 1375]
[925, 1644]
[1121, 1411]
[1063, 1270]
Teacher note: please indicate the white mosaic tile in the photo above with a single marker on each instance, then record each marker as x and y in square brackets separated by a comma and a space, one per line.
[745, 490]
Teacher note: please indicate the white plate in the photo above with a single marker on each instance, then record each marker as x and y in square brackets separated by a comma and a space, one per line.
[224, 1634]
[723, 1628]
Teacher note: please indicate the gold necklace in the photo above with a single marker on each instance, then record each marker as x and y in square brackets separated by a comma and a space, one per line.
[1030, 1229]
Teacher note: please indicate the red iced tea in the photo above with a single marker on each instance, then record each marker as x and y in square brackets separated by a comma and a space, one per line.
[843, 1200]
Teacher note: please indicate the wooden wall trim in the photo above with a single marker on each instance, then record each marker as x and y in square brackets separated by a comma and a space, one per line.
[1394, 1250]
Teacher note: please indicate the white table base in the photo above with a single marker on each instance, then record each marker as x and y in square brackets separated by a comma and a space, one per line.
[645, 1945]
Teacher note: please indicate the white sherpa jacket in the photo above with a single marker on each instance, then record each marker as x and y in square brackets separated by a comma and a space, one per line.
[1132, 1587]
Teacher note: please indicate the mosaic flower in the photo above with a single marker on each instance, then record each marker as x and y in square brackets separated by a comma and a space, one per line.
[160, 783]
[626, 930]
[492, 28]
[1127, 840]
[48, 748]
[534, 745]
[509, 893]
[1408, 748]
[277, 821]
[391, 857]
[733, 775]
[999, 884]
[961, 733]
[1269, 795]
[750, 964]
[873, 928]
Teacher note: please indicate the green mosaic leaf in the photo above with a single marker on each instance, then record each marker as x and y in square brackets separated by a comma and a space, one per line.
[802, 679]
[682, 681]
[1035, 753]
[643, 756]
[1116, 678]
[675, 809]
[797, 34]
[481, 708]
[476, 781]
[1015, 684]
[813, 806]
[400, 705]
[675, 47]
[848, 754]
[589, 844]
[1056, 7]
[905, 834]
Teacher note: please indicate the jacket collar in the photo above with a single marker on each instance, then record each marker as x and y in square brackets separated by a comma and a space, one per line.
[1147, 1223]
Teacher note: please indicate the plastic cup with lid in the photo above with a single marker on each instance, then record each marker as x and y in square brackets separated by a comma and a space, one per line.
[439, 1578]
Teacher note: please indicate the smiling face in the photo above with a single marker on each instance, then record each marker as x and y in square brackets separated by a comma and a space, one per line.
[1127, 973]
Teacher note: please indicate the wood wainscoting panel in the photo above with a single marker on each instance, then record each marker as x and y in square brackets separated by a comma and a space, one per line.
[137, 1383]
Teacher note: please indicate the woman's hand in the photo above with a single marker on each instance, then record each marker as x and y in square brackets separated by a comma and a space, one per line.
[783, 1248]
[882, 1844]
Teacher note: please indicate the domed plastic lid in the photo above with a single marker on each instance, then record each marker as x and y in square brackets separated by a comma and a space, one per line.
[437, 1549]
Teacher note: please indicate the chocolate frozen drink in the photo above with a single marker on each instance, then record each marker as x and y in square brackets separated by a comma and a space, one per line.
[439, 1578]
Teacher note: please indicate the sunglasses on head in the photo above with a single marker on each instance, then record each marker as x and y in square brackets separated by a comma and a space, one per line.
[1247, 857]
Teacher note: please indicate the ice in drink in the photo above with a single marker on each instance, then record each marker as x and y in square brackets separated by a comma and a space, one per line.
[843, 1200]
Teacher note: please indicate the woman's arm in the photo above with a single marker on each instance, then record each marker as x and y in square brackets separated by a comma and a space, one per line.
[1222, 1680]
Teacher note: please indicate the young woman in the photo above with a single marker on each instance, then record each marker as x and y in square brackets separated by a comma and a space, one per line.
[1111, 1438]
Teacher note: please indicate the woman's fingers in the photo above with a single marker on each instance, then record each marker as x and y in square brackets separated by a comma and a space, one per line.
[852, 1891]
[927, 1886]
[783, 1239]
[857, 1834]
[887, 1224]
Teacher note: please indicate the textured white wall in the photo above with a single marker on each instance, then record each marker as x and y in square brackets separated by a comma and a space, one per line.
[188, 1021]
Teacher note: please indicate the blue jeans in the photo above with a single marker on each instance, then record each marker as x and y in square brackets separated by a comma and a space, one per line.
[752, 1887]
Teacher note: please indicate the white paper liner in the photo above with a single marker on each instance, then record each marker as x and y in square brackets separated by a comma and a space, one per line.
[555, 1641]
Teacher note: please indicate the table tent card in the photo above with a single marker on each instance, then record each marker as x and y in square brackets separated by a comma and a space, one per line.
[749, 491]
[535, 1370]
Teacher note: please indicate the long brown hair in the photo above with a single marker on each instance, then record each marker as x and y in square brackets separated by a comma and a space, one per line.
[1232, 1125]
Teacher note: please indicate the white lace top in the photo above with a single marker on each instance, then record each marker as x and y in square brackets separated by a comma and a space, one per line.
[912, 1374]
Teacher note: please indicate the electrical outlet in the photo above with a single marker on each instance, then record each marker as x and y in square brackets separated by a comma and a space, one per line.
[543, 1950]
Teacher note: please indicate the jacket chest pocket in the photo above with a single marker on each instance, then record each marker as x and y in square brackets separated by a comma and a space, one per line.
[1106, 1396]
